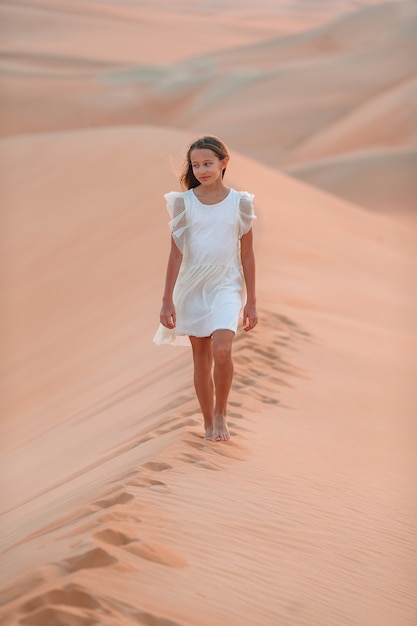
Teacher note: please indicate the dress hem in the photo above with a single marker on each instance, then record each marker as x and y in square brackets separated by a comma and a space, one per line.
[168, 336]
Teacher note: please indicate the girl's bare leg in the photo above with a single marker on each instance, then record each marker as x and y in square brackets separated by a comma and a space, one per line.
[203, 380]
[223, 377]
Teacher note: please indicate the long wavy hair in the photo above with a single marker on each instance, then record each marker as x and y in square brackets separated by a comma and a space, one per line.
[188, 180]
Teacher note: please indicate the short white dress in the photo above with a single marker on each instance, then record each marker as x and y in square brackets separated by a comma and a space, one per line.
[209, 290]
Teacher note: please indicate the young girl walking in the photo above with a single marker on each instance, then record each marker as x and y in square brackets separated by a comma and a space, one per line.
[211, 265]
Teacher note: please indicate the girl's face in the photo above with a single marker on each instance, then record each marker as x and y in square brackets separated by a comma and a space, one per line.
[207, 167]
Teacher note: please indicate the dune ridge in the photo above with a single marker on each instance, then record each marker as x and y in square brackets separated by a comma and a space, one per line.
[148, 528]
[333, 89]
[359, 177]
[125, 510]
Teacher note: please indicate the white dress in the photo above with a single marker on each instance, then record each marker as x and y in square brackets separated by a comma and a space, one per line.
[209, 290]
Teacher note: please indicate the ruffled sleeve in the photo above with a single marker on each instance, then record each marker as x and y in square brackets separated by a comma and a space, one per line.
[246, 212]
[178, 223]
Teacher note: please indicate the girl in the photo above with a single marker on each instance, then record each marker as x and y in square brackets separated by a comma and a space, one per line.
[210, 260]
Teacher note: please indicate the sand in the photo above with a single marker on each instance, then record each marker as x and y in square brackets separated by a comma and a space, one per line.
[114, 509]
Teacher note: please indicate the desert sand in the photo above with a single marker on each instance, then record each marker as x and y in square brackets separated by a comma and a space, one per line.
[114, 509]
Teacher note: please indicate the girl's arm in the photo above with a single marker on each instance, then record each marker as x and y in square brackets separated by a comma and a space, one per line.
[250, 315]
[167, 315]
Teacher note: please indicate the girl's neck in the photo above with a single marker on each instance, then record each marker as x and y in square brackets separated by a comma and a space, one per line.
[213, 193]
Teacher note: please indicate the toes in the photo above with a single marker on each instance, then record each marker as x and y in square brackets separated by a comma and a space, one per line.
[221, 437]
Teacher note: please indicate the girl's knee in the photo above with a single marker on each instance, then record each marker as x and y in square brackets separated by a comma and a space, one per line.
[222, 345]
[222, 351]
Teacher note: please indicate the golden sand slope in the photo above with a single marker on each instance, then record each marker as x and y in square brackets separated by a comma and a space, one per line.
[361, 178]
[116, 511]
[342, 88]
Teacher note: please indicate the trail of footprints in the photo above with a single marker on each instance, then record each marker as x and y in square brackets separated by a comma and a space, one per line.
[101, 544]
[105, 532]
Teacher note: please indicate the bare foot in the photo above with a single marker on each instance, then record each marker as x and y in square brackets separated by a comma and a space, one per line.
[220, 430]
[208, 425]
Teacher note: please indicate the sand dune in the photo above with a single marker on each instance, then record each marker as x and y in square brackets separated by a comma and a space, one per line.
[335, 89]
[68, 215]
[300, 98]
[363, 179]
[383, 122]
[206, 90]
[117, 32]
[370, 25]
[114, 509]
[118, 422]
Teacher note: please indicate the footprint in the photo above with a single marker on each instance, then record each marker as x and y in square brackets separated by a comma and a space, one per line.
[157, 553]
[96, 557]
[228, 449]
[200, 461]
[268, 400]
[139, 481]
[258, 373]
[113, 537]
[149, 619]
[155, 466]
[71, 595]
[118, 516]
[191, 458]
[57, 617]
[181, 422]
[209, 465]
[160, 487]
[246, 381]
[195, 444]
[121, 498]
[238, 427]
[280, 381]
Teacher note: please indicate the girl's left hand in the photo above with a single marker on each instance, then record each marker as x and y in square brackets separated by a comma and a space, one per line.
[250, 317]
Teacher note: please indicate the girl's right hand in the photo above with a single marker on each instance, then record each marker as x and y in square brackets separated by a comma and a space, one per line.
[168, 316]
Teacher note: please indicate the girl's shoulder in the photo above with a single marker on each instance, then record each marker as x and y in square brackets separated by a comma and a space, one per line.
[241, 196]
[245, 195]
[172, 195]
[177, 196]
[246, 212]
[175, 202]
[243, 201]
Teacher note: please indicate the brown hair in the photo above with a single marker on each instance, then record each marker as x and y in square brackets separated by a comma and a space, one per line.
[188, 180]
